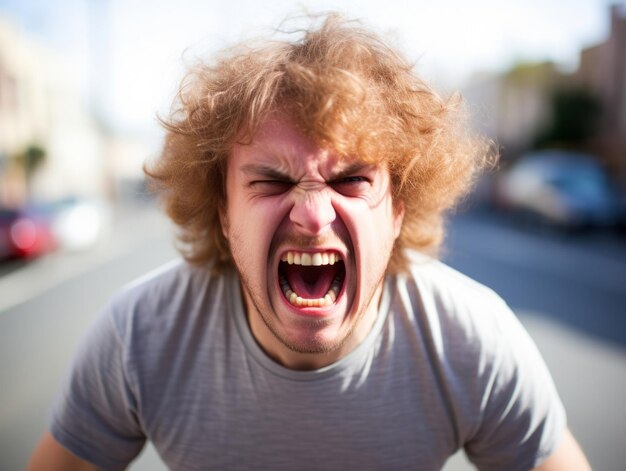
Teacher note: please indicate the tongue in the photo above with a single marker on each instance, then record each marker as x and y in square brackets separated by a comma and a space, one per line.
[310, 282]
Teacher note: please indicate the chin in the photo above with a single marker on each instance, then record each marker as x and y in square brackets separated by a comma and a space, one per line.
[317, 343]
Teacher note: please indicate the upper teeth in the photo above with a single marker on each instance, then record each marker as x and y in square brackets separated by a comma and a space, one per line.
[311, 259]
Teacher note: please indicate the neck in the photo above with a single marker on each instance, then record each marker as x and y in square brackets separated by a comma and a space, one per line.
[296, 360]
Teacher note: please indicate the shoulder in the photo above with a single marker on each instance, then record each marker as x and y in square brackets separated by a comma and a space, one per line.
[436, 289]
[469, 333]
[158, 285]
[488, 367]
[466, 321]
[166, 299]
[442, 279]
[170, 316]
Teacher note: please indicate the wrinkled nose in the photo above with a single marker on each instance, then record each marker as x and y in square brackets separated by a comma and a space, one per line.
[312, 211]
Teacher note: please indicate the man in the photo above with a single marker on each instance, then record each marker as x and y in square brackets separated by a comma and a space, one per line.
[307, 328]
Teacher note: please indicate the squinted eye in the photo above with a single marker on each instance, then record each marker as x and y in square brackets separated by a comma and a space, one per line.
[353, 180]
[351, 186]
[271, 187]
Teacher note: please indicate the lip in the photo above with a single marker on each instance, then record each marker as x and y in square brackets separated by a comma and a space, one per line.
[320, 312]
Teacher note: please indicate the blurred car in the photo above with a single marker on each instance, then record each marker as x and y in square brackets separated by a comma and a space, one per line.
[71, 224]
[77, 223]
[560, 188]
[24, 234]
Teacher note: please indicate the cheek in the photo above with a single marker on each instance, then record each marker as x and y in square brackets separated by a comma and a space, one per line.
[373, 231]
[376, 220]
[250, 227]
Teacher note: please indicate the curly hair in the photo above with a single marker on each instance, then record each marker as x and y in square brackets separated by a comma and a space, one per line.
[343, 87]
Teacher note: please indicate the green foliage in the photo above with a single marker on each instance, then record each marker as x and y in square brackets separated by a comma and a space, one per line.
[31, 159]
[575, 117]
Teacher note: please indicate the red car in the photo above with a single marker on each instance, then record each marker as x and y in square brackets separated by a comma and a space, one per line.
[24, 234]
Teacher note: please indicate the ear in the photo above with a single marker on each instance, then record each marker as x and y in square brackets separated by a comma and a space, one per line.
[398, 218]
[221, 211]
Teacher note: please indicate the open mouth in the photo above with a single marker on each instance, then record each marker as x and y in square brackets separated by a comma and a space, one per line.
[311, 279]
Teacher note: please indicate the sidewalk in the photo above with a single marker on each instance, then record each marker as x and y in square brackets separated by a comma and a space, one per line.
[591, 378]
[129, 225]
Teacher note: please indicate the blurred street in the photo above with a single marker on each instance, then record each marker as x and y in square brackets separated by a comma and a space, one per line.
[568, 291]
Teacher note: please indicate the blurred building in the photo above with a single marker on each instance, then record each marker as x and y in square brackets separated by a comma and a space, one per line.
[50, 145]
[513, 107]
[603, 71]
[516, 107]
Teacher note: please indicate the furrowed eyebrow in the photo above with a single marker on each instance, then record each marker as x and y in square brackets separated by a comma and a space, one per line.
[263, 171]
[353, 169]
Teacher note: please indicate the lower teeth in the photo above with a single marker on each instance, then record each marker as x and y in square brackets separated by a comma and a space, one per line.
[329, 298]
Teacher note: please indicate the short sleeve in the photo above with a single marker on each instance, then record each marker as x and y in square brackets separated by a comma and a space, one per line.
[522, 418]
[95, 416]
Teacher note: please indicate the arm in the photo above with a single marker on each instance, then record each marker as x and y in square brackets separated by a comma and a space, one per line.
[567, 457]
[94, 415]
[50, 455]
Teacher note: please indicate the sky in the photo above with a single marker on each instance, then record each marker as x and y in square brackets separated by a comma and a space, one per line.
[131, 53]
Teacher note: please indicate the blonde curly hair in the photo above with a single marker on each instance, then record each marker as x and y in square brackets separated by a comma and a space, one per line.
[343, 87]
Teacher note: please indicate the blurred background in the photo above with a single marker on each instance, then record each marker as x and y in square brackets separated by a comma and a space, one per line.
[82, 83]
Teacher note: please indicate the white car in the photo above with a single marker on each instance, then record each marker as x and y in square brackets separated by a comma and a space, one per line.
[561, 188]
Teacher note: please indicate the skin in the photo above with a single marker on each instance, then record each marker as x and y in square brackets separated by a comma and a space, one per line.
[50, 455]
[285, 193]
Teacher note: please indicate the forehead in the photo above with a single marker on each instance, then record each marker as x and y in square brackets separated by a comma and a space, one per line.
[279, 144]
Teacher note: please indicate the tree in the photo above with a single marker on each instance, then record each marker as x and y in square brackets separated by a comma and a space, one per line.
[576, 116]
[28, 162]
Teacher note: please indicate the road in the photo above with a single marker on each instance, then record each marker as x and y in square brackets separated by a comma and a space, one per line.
[568, 292]
[578, 280]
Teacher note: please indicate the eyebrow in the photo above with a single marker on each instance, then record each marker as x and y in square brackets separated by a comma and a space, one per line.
[264, 171]
[271, 173]
[352, 169]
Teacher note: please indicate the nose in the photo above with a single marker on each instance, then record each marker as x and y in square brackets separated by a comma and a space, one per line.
[312, 211]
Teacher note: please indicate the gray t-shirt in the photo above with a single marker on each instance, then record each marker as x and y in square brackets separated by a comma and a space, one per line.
[446, 365]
